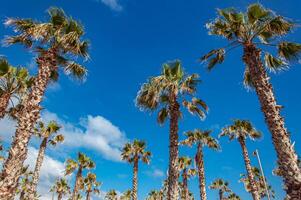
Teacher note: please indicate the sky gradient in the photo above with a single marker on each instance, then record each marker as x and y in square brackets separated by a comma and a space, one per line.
[130, 40]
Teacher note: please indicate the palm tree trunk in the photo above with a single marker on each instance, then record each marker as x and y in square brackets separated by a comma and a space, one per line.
[12, 167]
[135, 179]
[185, 185]
[254, 190]
[76, 185]
[287, 157]
[36, 173]
[221, 194]
[88, 195]
[4, 101]
[60, 196]
[173, 173]
[199, 158]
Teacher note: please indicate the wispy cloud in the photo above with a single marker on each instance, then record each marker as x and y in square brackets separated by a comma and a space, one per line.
[156, 173]
[113, 4]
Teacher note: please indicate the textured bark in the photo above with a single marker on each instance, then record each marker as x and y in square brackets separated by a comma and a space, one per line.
[185, 185]
[12, 168]
[287, 157]
[60, 196]
[173, 173]
[36, 173]
[77, 182]
[135, 179]
[199, 158]
[254, 190]
[4, 101]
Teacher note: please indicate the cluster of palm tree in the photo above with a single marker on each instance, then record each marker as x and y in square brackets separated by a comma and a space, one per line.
[58, 45]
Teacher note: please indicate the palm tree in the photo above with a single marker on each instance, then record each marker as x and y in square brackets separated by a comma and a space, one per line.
[132, 153]
[14, 83]
[155, 195]
[126, 195]
[48, 134]
[165, 92]
[241, 130]
[91, 185]
[250, 30]
[184, 167]
[57, 43]
[233, 196]
[24, 182]
[222, 187]
[60, 187]
[111, 195]
[260, 183]
[83, 162]
[201, 139]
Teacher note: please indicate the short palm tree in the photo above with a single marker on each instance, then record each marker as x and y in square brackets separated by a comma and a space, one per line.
[111, 195]
[241, 130]
[233, 196]
[184, 166]
[260, 183]
[201, 139]
[132, 153]
[14, 83]
[251, 30]
[222, 187]
[83, 162]
[61, 188]
[24, 182]
[91, 185]
[127, 195]
[57, 43]
[155, 195]
[166, 92]
[49, 135]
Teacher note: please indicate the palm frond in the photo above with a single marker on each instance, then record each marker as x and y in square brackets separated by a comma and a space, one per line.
[289, 51]
[274, 64]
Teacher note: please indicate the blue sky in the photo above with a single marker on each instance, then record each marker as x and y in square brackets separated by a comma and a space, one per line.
[130, 39]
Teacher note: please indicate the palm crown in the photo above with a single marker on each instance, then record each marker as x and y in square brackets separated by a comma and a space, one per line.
[257, 25]
[159, 91]
[201, 137]
[220, 184]
[135, 150]
[111, 195]
[240, 129]
[49, 131]
[184, 163]
[61, 33]
[91, 184]
[61, 187]
[83, 162]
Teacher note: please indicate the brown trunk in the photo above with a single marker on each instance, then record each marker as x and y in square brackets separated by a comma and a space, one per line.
[199, 158]
[60, 196]
[4, 101]
[36, 173]
[12, 168]
[88, 195]
[254, 190]
[287, 157]
[77, 182]
[135, 179]
[185, 185]
[173, 173]
[221, 194]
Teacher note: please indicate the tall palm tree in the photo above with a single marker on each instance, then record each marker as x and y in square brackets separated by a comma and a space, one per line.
[166, 92]
[126, 195]
[58, 44]
[48, 134]
[83, 162]
[260, 183]
[260, 27]
[132, 153]
[201, 139]
[222, 187]
[60, 187]
[184, 166]
[14, 83]
[91, 185]
[241, 130]
[111, 195]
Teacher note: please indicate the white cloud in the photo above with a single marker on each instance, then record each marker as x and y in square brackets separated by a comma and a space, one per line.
[51, 169]
[157, 173]
[113, 4]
